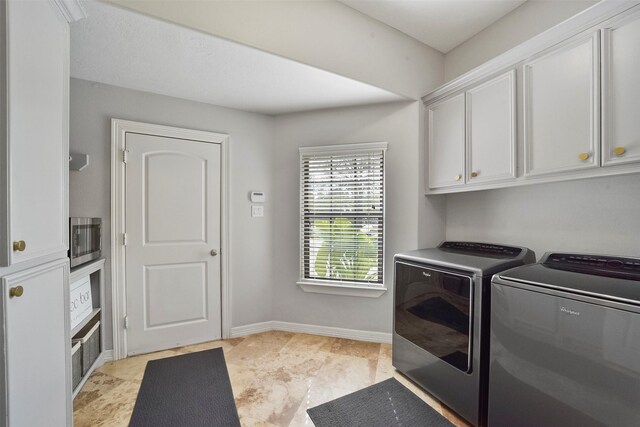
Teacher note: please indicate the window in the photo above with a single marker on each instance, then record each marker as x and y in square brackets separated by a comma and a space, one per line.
[342, 214]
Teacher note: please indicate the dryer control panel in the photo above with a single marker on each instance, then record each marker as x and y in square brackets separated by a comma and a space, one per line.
[485, 249]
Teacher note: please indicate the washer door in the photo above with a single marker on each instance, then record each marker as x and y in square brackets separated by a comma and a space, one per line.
[433, 310]
[558, 361]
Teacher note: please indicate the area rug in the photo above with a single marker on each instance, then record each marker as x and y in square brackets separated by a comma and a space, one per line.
[385, 404]
[190, 390]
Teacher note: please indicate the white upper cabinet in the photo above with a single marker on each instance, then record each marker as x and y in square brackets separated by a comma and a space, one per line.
[491, 130]
[621, 92]
[446, 135]
[34, 157]
[567, 109]
[561, 109]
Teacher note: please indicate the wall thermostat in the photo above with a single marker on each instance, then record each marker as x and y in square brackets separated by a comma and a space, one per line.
[257, 197]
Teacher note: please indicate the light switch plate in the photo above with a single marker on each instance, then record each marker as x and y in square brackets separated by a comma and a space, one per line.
[257, 197]
[257, 211]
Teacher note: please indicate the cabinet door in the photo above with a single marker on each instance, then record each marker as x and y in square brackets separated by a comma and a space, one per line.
[446, 125]
[621, 92]
[37, 126]
[491, 130]
[37, 346]
[561, 109]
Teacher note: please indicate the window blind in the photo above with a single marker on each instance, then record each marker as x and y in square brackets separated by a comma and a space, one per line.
[342, 214]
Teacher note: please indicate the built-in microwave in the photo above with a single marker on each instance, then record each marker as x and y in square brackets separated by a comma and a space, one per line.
[85, 240]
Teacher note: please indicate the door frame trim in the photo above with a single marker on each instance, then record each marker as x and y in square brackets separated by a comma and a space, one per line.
[119, 129]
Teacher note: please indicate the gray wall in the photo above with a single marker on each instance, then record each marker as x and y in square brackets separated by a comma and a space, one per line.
[528, 20]
[598, 215]
[407, 210]
[251, 149]
[264, 156]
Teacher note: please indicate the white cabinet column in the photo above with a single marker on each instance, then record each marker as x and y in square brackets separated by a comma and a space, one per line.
[35, 346]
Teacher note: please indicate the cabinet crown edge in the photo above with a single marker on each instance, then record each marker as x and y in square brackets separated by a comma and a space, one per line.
[586, 20]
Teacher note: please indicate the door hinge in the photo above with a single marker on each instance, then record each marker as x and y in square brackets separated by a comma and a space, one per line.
[125, 240]
[126, 322]
[125, 156]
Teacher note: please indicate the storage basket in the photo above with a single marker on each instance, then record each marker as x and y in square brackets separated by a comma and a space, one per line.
[89, 336]
[76, 364]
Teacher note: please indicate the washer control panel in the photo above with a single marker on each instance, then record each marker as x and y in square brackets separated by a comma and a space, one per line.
[600, 265]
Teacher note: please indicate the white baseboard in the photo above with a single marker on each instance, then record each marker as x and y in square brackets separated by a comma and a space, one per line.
[253, 328]
[107, 356]
[329, 331]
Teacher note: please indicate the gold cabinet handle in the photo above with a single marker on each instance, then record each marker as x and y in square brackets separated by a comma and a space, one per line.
[619, 151]
[19, 246]
[458, 177]
[584, 156]
[16, 292]
[474, 174]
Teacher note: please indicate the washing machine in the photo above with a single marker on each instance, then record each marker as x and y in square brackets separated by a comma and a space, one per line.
[441, 313]
[565, 343]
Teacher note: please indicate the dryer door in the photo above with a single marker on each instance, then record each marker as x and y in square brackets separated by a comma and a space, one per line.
[433, 310]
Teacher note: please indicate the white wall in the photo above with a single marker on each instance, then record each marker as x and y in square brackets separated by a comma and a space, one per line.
[599, 215]
[325, 34]
[251, 168]
[407, 210]
[528, 20]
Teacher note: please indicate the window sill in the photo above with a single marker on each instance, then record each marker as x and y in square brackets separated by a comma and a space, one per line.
[346, 289]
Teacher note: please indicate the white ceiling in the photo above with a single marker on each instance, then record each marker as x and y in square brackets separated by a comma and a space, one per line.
[441, 24]
[122, 48]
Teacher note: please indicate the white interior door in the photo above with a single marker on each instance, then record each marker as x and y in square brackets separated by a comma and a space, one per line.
[172, 217]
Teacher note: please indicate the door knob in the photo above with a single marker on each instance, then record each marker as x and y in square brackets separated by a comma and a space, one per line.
[474, 174]
[619, 151]
[19, 246]
[16, 292]
[458, 177]
[584, 156]
[213, 252]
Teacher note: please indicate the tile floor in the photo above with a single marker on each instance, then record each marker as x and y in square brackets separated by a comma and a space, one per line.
[276, 377]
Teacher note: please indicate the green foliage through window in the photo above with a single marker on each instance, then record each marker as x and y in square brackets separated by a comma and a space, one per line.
[342, 214]
[338, 258]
